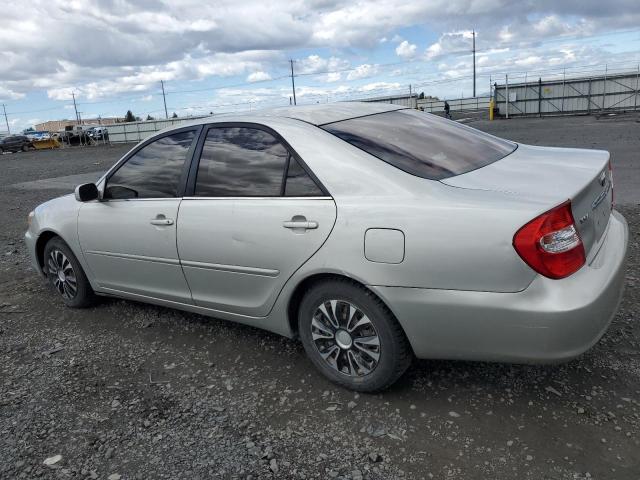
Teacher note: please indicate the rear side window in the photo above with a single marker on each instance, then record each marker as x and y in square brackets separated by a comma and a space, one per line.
[153, 171]
[422, 144]
[249, 162]
[240, 162]
[299, 183]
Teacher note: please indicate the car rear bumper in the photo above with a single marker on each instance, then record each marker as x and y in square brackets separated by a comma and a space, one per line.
[549, 321]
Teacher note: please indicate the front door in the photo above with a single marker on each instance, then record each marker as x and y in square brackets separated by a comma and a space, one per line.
[129, 237]
[255, 216]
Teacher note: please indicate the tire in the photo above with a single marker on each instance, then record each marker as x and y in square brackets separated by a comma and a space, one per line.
[58, 256]
[372, 354]
[25, 148]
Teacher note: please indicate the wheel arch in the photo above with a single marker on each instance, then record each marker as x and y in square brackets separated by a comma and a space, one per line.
[41, 243]
[306, 283]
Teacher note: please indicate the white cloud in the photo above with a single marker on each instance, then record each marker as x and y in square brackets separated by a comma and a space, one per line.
[363, 71]
[406, 50]
[451, 43]
[383, 86]
[317, 64]
[258, 76]
[8, 94]
[140, 43]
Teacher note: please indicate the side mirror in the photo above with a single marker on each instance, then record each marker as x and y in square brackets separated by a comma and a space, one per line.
[87, 192]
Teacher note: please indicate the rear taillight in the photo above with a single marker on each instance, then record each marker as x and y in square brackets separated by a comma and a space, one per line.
[551, 244]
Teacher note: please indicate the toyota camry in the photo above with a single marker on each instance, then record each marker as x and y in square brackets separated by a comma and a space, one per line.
[374, 233]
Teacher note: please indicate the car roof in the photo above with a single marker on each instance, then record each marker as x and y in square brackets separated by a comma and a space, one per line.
[321, 114]
[318, 114]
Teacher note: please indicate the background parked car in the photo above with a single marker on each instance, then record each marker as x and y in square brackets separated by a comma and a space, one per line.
[98, 133]
[41, 135]
[15, 143]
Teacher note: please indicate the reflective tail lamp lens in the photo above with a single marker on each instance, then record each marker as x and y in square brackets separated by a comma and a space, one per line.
[550, 243]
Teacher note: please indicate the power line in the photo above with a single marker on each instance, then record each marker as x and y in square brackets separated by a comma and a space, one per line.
[220, 87]
[485, 72]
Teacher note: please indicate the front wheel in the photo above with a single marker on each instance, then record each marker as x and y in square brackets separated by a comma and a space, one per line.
[352, 337]
[66, 275]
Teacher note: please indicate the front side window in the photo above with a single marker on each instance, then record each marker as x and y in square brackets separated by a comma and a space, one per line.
[422, 144]
[153, 171]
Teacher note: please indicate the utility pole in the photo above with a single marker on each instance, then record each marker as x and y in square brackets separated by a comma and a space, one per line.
[410, 97]
[474, 62]
[293, 84]
[75, 108]
[5, 119]
[164, 99]
[506, 83]
[604, 86]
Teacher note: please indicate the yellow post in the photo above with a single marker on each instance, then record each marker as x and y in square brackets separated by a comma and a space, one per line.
[491, 105]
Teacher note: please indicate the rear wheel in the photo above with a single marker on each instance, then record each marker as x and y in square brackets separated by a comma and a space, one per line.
[25, 148]
[352, 337]
[66, 275]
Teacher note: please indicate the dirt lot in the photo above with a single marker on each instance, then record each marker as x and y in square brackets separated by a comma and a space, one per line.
[145, 392]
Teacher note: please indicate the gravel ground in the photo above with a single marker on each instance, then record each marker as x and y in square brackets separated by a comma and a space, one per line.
[126, 390]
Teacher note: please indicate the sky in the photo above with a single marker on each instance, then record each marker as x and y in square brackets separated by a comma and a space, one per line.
[234, 56]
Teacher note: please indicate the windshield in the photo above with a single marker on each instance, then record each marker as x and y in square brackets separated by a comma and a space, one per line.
[422, 144]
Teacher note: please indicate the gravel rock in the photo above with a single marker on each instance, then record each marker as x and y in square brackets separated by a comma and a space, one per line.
[107, 404]
[52, 460]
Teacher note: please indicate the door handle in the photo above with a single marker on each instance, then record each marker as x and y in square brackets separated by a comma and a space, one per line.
[306, 225]
[162, 221]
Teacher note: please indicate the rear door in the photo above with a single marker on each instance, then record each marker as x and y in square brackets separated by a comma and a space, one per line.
[255, 214]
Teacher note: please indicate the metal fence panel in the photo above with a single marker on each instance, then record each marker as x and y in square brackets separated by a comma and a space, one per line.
[470, 104]
[569, 96]
[133, 132]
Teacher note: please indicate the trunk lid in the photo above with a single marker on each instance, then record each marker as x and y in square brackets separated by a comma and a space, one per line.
[549, 176]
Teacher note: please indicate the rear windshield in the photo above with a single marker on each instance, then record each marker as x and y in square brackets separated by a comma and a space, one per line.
[422, 144]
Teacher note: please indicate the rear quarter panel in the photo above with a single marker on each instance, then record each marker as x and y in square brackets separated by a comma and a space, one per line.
[454, 238]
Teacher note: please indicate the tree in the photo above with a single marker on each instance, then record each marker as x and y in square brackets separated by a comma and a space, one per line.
[129, 117]
[175, 115]
[421, 96]
[149, 117]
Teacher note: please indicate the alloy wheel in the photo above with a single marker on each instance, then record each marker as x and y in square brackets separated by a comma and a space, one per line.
[61, 274]
[345, 338]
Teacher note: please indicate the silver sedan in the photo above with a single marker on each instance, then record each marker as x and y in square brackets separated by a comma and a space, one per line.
[372, 232]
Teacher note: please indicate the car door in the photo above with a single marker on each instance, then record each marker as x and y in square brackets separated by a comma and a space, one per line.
[129, 237]
[253, 216]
